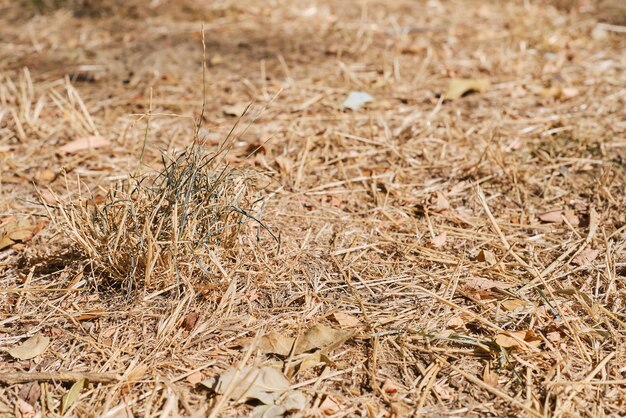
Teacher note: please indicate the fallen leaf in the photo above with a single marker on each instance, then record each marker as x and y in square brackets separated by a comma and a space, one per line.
[18, 231]
[313, 360]
[439, 240]
[30, 392]
[516, 339]
[345, 320]
[490, 377]
[329, 406]
[514, 304]
[459, 87]
[276, 343]
[456, 322]
[265, 384]
[552, 216]
[26, 409]
[30, 348]
[237, 110]
[439, 203]
[195, 378]
[268, 411]
[190, 320]
[571, 217]
[389, 387]
[71, 396]
[285, 165]
[400, 409]
[89, 142]
[294, 400]
[356, 99]
[488, 257]
[321, 336]
[585, 257]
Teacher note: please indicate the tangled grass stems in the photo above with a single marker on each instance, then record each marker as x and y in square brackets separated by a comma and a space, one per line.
[151, 230]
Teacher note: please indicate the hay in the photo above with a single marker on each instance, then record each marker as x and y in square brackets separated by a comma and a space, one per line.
[473, 248]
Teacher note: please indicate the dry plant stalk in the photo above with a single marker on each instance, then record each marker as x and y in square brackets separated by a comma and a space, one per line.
[155, 230]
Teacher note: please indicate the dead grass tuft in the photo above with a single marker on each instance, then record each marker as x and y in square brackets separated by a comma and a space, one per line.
[158, 229]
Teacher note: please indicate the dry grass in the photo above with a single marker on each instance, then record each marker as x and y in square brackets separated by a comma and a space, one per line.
[477, 245]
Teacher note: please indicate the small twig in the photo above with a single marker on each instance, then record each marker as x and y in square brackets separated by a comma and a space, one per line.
[25, 377]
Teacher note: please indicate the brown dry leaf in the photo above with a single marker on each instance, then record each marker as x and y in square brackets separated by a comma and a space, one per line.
[18, 231]
[136, 374]
[89, 142]
[585, 257]
[490, 377]
[265, 384]
[487, 256]
[276, 343]
[329, 406]
[440, 240]
[508, 340]
[400, 409]
[30, 392]
[195, 378]
[571, 217]
[321, 336]
[439, 203]
[31, 348]
[552, 216]
[190, 320]
[345, 320]
[456, 322]
[285, 165]
[459, 87]
[236, 110]
[514, 304]
[26, 410]
[389, 387]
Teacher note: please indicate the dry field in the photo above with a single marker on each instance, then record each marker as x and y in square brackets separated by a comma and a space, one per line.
[232, 240]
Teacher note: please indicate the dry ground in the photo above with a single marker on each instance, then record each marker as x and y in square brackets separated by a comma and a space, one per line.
[419, 224]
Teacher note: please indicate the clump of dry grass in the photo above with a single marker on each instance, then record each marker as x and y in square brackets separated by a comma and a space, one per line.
[160, 229]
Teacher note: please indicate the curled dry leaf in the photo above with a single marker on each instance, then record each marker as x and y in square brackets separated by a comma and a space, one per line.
[30, 348]
[490, 377]
[265, 384]
[487, 256]
[276, 343]
[329, 406]
[190, 320]
[585, 257]
[195, 378]
[459, 87]
[25, 409]
[439, 240]
[514, 304]
[345, 320]
[237, 110]
[556, 217]
[456, 322]
[518, 339]
[321, 336]
[389, 387]
[439, 203]
[18, 231]
[89, 142]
